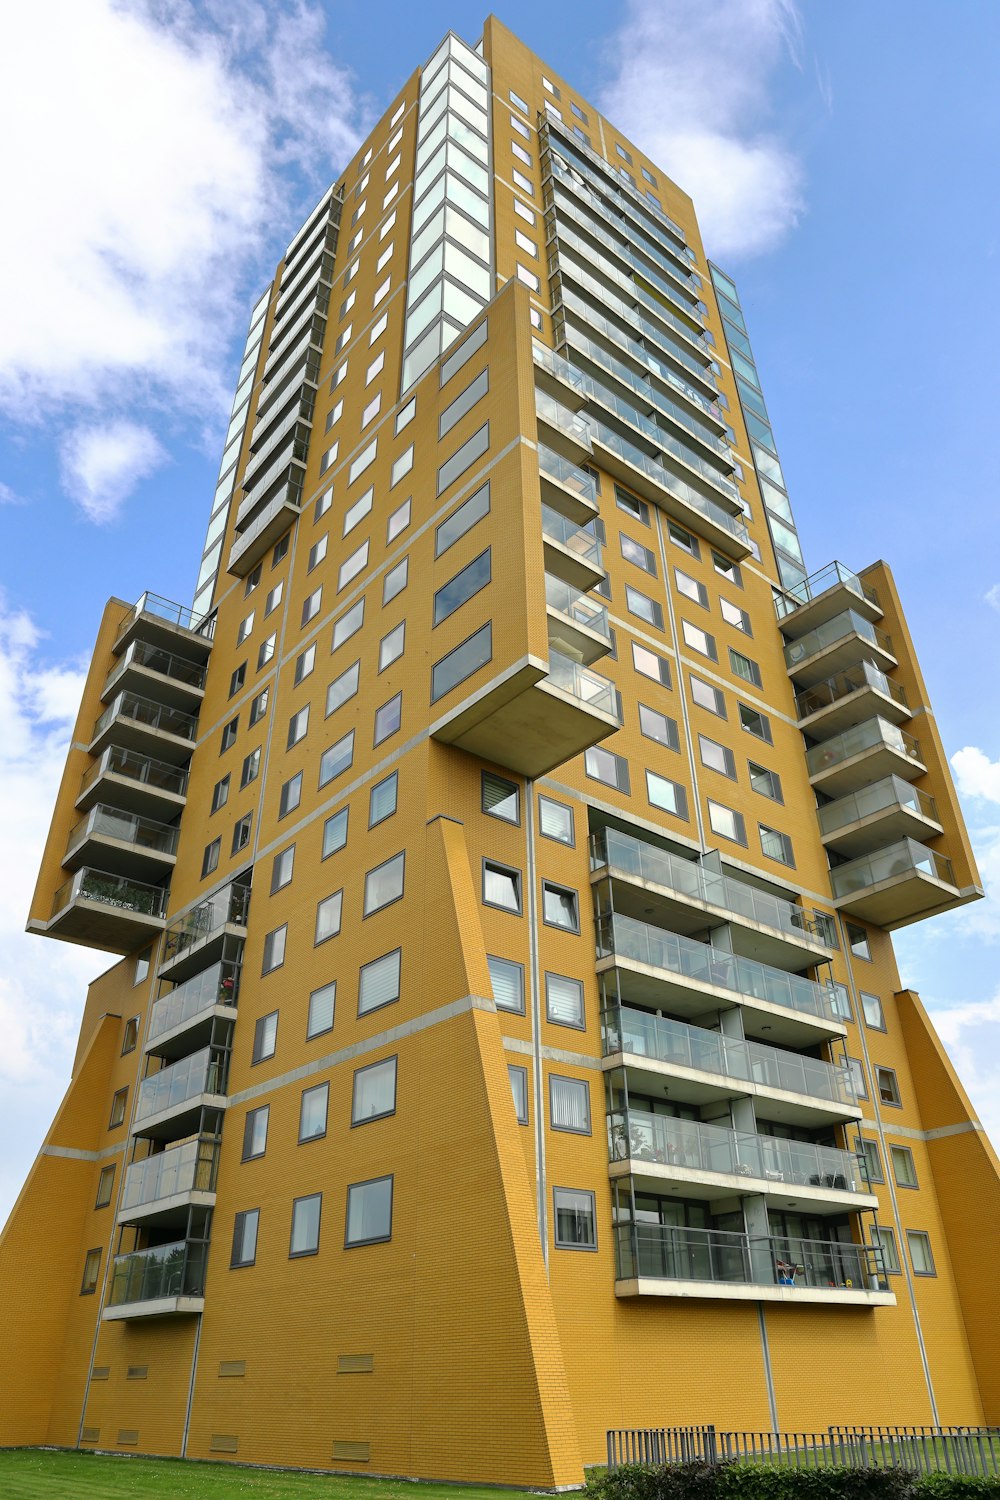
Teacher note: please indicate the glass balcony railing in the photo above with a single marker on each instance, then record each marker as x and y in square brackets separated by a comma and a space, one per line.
[668, 1252]
[817, 583]
[218, 985]
[631, 857]
[902, 859]
[880, 796]
[568, 474]
[176, 1270]
[831, 631]
[226, 907]
[590, 688]
[113, 891]
[555, 415]
[174, 614]
[142, 654]
[288, 499]
[865, 675]
[202, 1072]
[181, 1169]
[683, 957]
[299, 417]
[579, 540]
[872, 734]
[129, 828]
[152, 715]
[284, 469]
[156, 774]
[635, 1135]
[578, 607]
[644, 1034]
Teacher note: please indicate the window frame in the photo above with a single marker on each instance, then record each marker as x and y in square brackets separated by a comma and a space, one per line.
[560, 1244]
[382, 1114]
[379, 1239]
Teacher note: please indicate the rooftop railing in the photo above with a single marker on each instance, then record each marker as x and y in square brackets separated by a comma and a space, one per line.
[667, 1252]
[174, 614]
[117, 761]
[860, 737]
[831, 631]
[879, 796]
[590, 688]
[113, 891]
[217, 985]
[905, 858]
[865, 675]
[817, 583]
[202, 1072]
[189, 1168]
[149, 713]
[129, 828]
[176, 1270]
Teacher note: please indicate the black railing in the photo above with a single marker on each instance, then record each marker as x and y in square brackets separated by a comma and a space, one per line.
[927, 1450]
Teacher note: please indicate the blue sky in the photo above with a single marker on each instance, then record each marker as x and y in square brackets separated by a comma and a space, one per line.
[843, 161]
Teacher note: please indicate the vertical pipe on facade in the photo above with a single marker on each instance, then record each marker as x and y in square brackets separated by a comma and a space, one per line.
[536, 1021]
[681, 686]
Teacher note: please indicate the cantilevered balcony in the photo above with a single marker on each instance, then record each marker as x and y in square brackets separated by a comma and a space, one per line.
[662, 970]
[561, 429]
[138, 783]
[566, 487]
[184, 1019]
[155, 1283]
[703, 1066]
[868, 752]
[105, 910]
[572, 552]
[689, 897]
[160, 1189]
[821, 596]
[170, 1102]
[150, 671]
[708, 1161]
[666, 1260]
[122, 843]
[145, 726]
[197, 939]
[578, 624]
[848, 698]
[896, 885]
[173, 627]
[842, 642]
[251, 545]
[877, 815]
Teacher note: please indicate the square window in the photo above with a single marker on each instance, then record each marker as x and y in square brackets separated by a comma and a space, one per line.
[281, 869]
[322, 1003]
[564, 1001]
[245, 1227]
[903, 1167]
[105, 1185]
[742, 666]
[335, 832]
[241, 833]
[382, 799]
[265, 1037]
[507, 979]
[501, 798]
[379, 982]
[717, 757]
[738, 618]
[555, 821]
[767, 783]
[91, 1273]
[398, 521]
[144, 961]
[649, 664]
[328, 916]
[391, 646]
[683, 539]
[888, 1087]
[384, 884]
[871, 1008]
[776, 845]
[369, 1212]
[728, 570]
[501, 887]
[669, 796]
[250, 769]
[575, 1219]
[291, 795]
[635, 552]
[656, 726]
[255, 1132]
[337, 759]
[918, 1243]
[691, 588]
[699, 640]
[519, 1091]
[755, 723]
[352, 566]
[229, 733]
[210, 858]
[605, 765]
[643, 607]
[569, 1104]
[401, 466]
[258, 708]
[708, 697]
[727, 823]
[560, 907]
[395, 581]
[274, 949]
[343, 688]
[306, 1213]
[313, 1110]
[374, 1094]
[857, 941]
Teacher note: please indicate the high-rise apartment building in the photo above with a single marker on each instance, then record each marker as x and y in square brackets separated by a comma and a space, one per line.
[502, 854]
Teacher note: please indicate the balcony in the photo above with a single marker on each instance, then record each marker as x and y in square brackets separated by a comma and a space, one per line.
[155, 1283]
[848, 698]
[183, 1020]
[836, 645]
[150, 671]
[703, 1066]
[825, 594]
[284, 473]
[895, 885]
[161, 622]
[163, 1187]
[288, 439]
[123, 843]
[135, 782]
[877, 815]
[578, 625]
[572, 552]
[665, 971]
[169, 1103]
[107, 911]
[561, 429]
[688, 897]
[264, 530]
[197, 940]
[711, 1160]
[664, 1260]
[149, 728]
[298, 373]
[566, 487]
[869, 752]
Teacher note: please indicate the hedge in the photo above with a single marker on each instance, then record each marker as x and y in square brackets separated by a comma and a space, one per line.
[761, 1481]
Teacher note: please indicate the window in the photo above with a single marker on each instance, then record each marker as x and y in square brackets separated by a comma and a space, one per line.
[463, 458]
[885, 1239]
[401, 465]
[560, 907]
[462, 520]
[144, 960]
[245, 1238]
[305, 663]
[280, 549]
[382, 800]
[384, 884]
[352, 566]
[258, 708]
[253, 579]
[519, 1091]
[255, 1132]
[717, 757]
[918, 1243]
[335, 832]
[398, 521]
[313, 1111]
[337, 759]
[569, 1104]
[605, 765]
[643, 607]
[210, 858]
[575, 1216]
[117, 1116]
[91, 1273]
[632, 506]
[507, 979]
[555, 821]
[391, 646]
[564, 1001]
[281, 869]
[348, 624]
[105, 1184]
[728, 570]
[776, 845]
[464, 402]
[265, 1036]
[683, 539]
[858, 1079]
[291, 795]
[743, 667]
[378, 984]
[274, 598]
[395, 581]
[635, 552]
[250, 768]
[767, 783]
[306, 1214]
[229, 733]
[328, 916]
[648, 664]
[374, 1094]
[501, 798]
[857, 941]
[691, 588]
[755, 723]
[706, 696]
[872, 1160]
[363, 461]
[669, 796]
[388, 719]
[369, 1212]
[699, 640]
[237, 680]
[871, 1007]
[405, 415]
[501, 887]
[244, 628]
[903, 1168]
[738, 618]
[322, 1003]
[467, 658]
[220, 794]
[266, 651]
[343, 688]
[274, 948]
[888, 1087]
[241, 833]
[726, 823]
[460, 589]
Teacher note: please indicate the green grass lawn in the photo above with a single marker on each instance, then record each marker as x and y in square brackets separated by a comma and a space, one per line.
[28, 1474]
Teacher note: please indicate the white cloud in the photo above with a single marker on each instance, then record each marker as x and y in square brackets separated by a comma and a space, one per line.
[691, 81]
[992, 597]
[9, 496]
[101, 465]
[976, 774]
[971, 1034]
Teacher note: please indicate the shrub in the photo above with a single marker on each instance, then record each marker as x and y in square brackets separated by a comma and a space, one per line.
[762, 1481]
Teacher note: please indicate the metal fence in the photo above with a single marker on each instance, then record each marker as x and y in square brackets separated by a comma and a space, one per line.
[927, 1450]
